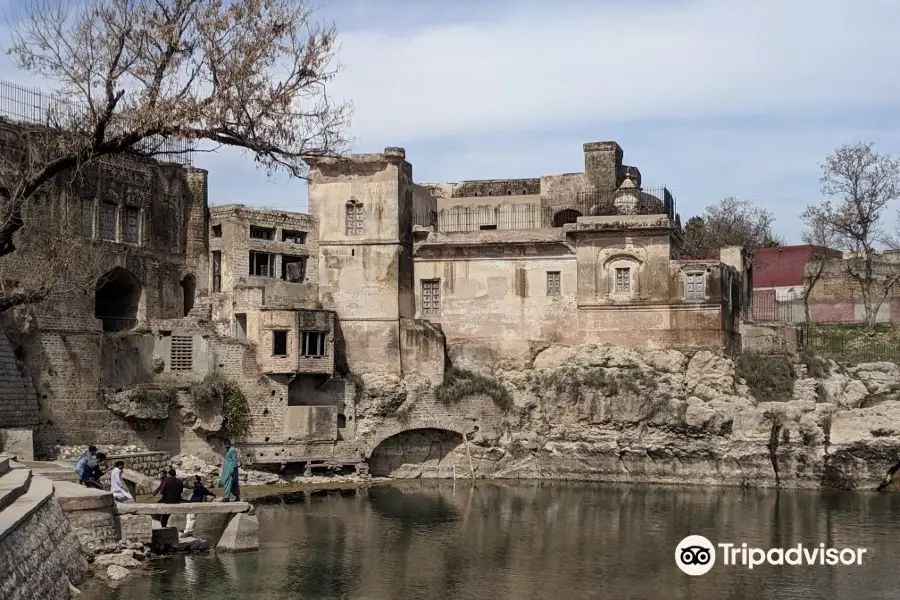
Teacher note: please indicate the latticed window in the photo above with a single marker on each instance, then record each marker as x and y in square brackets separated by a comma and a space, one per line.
[354, 218]
[431, 297]
[130, 218]
[623, 280]
[108, 221]
[554, 283]
[182, 353]
[694, 286]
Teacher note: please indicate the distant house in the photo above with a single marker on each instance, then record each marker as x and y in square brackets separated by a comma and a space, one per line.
[778, 280]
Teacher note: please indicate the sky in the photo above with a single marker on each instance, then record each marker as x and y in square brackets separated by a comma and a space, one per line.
[740, 98]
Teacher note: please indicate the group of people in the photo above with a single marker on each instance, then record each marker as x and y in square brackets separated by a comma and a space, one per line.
[90, 468]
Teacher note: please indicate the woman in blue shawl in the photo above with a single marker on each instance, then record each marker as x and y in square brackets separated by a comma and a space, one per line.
[229, 476]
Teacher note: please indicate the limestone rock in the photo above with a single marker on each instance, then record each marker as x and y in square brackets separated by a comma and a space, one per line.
[709, 376]
[117, 573]
[878, 378]
[806, 389]
[188, 543]
[125, 559]
[139, 404]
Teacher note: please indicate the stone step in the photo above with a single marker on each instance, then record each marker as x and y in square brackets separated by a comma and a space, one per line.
[13, 485]
[4, 464]
[39, 492]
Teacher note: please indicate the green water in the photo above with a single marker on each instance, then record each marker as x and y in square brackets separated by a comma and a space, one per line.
[434, 541]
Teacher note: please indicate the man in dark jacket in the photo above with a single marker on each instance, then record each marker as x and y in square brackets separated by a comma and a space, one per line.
[171, 494]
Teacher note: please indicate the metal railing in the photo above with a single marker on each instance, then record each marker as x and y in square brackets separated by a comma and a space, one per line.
[37, 107]
[554, 211]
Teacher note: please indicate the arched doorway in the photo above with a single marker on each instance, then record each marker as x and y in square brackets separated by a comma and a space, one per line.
[189, 290]
[564, 216]
[414, 451]
[116, 299]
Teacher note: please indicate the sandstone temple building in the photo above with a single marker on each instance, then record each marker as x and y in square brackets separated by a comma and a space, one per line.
[384, 278]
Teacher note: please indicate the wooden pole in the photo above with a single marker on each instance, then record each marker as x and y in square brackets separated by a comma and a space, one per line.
[469, 456]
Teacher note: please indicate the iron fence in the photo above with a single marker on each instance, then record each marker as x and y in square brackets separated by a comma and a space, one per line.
[768, 307]
[37, 107]
[851, 344]
[554, 210]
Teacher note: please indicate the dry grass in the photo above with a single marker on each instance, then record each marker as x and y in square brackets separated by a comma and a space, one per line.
[459, 383]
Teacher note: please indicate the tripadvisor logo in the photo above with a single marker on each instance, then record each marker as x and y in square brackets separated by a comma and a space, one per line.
[696, 555]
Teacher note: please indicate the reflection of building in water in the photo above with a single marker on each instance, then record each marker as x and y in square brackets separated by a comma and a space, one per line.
[530, 540]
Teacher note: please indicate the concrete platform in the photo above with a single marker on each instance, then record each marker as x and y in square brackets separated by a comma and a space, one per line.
[73, 496]
[196, 508]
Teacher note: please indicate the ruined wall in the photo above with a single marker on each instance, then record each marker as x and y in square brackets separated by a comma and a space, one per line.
[60, 340]
[229, 227]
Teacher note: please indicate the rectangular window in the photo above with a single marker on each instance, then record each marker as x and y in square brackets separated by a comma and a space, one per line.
[293, 237]
[279, 343]
[694, 286]
[354, 222]
[130, 220]
[623, 280]
[554, 283]
[240, 326]
[86, 218]
[216, 271]
[216, 231]
[262, 264]
[262, 233]
[293, 268]
[431, 297]
[108, 221]
[313, 343]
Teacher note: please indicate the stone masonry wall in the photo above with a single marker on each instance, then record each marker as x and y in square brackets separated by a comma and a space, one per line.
[18, 399]
[145, 463]
[35, 556]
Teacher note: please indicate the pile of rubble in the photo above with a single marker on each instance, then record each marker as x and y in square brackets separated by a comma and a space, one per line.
[117, 561]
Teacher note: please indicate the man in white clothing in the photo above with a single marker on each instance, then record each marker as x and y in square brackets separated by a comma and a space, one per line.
[117, 484]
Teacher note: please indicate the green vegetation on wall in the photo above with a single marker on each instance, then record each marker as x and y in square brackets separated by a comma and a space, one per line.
[770, 377]
[459, 383]
[215, 388]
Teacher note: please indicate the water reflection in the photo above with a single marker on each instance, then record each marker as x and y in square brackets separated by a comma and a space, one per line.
[536, 541]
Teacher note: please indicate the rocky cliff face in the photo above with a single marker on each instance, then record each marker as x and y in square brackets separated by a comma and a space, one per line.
[619, 414]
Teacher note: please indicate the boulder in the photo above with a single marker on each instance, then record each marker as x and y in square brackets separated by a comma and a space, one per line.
[139, 404]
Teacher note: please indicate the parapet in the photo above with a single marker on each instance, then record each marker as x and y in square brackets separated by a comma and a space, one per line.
[354, 164]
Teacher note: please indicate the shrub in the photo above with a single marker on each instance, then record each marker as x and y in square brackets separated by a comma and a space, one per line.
[816, 366]
[769, 376]
[459, 383]
[235, 409]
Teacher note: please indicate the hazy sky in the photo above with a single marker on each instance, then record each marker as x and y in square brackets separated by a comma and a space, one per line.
[712, 98]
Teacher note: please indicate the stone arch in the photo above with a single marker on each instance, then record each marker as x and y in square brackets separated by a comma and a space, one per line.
[458, 426]
[566, 215]
[189, 292]
[117, 299]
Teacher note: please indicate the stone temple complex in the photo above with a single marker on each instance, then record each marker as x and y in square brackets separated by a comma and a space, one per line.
[385, 280]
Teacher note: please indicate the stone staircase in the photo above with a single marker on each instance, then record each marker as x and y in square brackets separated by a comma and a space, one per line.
[39, 554]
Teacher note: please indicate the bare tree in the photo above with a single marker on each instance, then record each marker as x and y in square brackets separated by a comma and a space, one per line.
[731, 222]
[131, 75]
[859, 184]
[822, 238]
